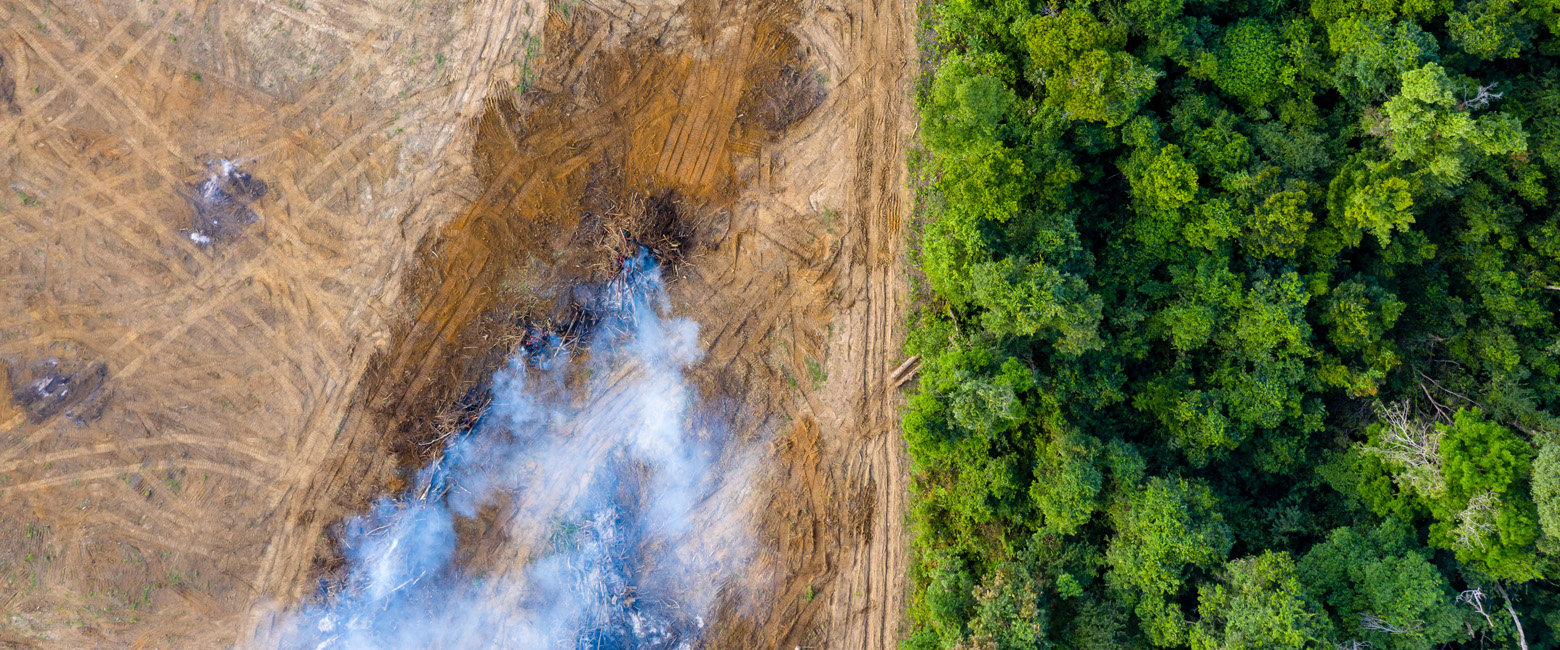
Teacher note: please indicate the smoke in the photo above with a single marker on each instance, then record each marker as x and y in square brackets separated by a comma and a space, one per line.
[615, 534]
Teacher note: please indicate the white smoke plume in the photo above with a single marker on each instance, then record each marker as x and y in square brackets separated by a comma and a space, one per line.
[615, 511]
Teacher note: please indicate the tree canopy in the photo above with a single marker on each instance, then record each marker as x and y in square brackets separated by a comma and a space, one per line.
[1237, 325]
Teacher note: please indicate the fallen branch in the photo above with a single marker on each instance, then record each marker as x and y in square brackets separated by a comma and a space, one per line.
[1521, 636]
[1448, 390]
[1475, 598]
[1440, 411]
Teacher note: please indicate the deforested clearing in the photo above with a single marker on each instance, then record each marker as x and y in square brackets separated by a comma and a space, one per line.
[266, 265]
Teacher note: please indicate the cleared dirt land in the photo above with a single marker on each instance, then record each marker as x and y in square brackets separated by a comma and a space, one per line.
[256, 255]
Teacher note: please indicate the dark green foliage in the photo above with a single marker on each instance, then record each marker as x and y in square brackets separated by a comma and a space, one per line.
[1491, 29]
[1160, 530]
[1546, 499]
[1238, 325]
[1329, 11]
[1086, 75]
[1383, 574]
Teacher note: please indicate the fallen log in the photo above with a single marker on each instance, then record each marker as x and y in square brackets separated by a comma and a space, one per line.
[905, 371]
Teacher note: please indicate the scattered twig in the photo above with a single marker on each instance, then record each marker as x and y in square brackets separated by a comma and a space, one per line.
[408, 581]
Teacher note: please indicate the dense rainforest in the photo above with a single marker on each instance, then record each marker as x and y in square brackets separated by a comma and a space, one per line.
[1237, 325]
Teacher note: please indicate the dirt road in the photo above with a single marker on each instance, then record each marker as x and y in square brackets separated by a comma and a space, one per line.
[274, 357]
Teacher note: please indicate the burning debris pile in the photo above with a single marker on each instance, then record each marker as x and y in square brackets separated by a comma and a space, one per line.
[221, 203]
[541, 343]
[604, 488]
[661, 223]
[544, 342]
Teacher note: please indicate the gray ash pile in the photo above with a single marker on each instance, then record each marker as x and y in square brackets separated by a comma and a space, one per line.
[221, 203]
[47, 387]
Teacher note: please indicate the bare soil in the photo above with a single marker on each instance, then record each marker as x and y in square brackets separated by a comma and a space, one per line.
[260, 256]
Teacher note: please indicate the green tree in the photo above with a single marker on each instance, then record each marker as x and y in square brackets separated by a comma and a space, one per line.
[1486, 516]
[1162, 182]
[1258, 604]
[968, 103]
[1329, 11]
[1097, 624]
[1544, 12]
[1491, 29]
[1160, 529]
[1210, 404]
[1251, 65]
[946, 600]
[1373, 53]
[1279, 224]
[978, 25]
[1009, 612]
[1546, 492]
[1370, 196]
[987, 188]
[1431, 128]
[1358, 317]
[1067, 484]
[1379, 587]
[1086, 74]
[1023, 299]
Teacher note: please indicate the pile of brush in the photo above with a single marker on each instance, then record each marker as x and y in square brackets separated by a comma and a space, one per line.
[608, 311]
[657, 223]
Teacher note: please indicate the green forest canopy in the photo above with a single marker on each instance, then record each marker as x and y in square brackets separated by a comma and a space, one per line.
[1237, 325]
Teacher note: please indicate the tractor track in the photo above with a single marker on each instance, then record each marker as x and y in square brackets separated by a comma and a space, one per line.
[256, 386]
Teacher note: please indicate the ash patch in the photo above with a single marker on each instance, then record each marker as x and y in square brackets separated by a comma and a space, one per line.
[47, 387]
[221, 204]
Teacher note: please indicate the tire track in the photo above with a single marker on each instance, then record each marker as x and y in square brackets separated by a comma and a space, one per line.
[260, 457]
[189, 332]
[33, 108]
[259, 482]
[321, 22]
[866, 607]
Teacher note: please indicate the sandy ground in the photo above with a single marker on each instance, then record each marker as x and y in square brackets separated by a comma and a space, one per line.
[235, 371]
